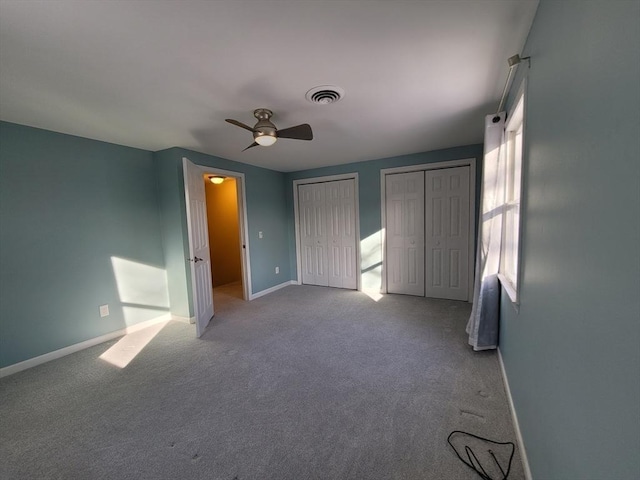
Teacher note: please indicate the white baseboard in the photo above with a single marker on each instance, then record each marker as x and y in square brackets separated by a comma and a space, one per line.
[262, 293]
[178, 318]
[63, 352]
[516, 425]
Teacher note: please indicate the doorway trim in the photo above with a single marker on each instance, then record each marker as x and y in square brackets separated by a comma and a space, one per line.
[465, 162]
[329, 178]
[243, 223]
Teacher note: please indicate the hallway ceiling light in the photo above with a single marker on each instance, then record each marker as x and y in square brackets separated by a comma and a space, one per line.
[216, 179]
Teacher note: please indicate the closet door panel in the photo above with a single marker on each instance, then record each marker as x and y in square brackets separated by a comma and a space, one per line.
[405, 233]
[313, 235]
[341, 239]
[328, 234]
[447, 233]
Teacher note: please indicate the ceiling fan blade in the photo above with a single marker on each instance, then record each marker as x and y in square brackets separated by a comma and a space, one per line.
[254, 144]
[239, 124]
[299, 132]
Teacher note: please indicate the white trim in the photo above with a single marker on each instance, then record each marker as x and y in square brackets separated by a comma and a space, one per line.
[516, 424]
[267, 291]
[326, 178]
[329, 178]
[178, 318]
[465, 162]
[243, 223]
[511, 291]
[63, 352]
[518, 113]
[430, 166]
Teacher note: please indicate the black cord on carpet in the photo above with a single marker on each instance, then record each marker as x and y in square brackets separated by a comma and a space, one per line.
[473, 461]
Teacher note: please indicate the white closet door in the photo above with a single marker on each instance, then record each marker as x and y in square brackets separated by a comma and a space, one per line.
[447, 233]
[405, 233]
[313, 234]
[341, 235]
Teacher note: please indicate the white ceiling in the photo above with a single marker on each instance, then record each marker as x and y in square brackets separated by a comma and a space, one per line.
[153, 74]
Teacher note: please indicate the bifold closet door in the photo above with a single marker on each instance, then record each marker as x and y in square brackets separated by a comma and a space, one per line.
[328, 234]
[341, 235]
[405, 233]
[313, 233]
[447, 233]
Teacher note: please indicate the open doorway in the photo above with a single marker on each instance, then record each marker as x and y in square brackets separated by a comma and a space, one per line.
[226, 246]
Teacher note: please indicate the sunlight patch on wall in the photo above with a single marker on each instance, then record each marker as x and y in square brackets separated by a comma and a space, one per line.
[129, 346]
[143, 290]
[371, 265]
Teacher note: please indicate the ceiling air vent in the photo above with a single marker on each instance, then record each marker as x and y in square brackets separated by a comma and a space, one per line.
[325, 94]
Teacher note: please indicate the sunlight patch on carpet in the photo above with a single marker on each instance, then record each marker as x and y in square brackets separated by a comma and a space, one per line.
[129, 346]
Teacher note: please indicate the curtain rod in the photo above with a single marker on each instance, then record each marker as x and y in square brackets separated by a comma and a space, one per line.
[513, 63]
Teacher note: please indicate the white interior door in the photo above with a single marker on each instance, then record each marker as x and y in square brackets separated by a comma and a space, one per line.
[199, 257]
[341, 235]
[313, 234]
[405, 233]
[447, 233]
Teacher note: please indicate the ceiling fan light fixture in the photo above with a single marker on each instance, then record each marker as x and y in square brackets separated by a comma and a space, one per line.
[265, 133]
[265, 139]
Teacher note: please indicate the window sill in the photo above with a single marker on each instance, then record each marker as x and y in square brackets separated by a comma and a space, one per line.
[511, 290]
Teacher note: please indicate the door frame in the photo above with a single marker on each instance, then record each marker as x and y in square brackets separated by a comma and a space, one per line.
[329, 178]
[465, 162]
[245, 261]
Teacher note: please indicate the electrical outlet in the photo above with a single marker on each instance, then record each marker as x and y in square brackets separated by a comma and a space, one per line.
[277, 269]
[260, 235]
[104, 310]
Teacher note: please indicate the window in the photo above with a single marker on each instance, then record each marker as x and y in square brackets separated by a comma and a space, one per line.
[509, 261]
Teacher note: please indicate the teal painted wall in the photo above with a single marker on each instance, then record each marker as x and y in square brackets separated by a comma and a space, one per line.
[71, 205]
[266, 212]
[572, 352]
[67, 206]
[170, 187]
[369, 199]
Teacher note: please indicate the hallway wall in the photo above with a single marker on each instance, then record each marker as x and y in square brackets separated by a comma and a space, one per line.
[224, 232]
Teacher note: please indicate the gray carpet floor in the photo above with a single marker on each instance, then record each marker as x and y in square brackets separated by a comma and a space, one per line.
[304, 383]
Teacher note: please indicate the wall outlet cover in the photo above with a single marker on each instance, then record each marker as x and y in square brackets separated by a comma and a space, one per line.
[104, 310]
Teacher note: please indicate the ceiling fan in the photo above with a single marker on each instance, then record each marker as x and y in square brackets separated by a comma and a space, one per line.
[265, 133]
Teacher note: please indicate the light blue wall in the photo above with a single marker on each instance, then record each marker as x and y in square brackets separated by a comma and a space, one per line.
[170, 186]
[266, 212]
[572, 352]
[369, 194]
[67, 206]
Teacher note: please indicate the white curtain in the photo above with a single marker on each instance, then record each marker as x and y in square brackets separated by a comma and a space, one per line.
[483, 326]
